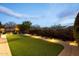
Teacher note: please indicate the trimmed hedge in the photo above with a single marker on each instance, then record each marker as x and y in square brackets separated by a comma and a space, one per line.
[65, 34]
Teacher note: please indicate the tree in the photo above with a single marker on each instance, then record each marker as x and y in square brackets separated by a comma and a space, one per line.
[76, 28]
[0, 24]
[10, 26]
[25, 26]
[0, 28]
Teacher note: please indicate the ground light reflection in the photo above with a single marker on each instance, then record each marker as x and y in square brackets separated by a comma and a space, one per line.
[74, 43]
[54, 40]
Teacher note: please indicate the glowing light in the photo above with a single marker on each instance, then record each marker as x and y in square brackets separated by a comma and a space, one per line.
[34, 36]
[2, 29]
[3, 36]
[53, 40]
[17, 29]
[49, 40]
[28, 35]
[37, 37]
[74, 43]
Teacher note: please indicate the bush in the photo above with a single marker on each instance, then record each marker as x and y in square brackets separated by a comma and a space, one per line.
[62, 33]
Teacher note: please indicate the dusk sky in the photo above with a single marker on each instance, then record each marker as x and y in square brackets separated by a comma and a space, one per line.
[39, 14]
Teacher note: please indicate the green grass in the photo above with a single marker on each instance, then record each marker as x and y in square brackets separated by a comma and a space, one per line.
[21, 45]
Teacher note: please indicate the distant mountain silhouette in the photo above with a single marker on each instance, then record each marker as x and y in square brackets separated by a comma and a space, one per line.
[69, 24]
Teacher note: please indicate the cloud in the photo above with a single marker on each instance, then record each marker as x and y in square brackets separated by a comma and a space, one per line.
[10, 12]
[68, 13]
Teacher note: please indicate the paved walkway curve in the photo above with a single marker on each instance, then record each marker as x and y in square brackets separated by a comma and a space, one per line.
[68, 50]
[4, 47]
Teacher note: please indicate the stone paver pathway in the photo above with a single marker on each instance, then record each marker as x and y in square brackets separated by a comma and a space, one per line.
[4, 47]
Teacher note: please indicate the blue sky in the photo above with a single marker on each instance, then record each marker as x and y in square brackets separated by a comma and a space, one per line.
[39, 14]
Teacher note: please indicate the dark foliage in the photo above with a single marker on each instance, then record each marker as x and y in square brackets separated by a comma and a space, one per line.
[57, 31]
[60, 32]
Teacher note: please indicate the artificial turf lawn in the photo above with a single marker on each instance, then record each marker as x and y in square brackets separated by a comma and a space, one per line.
[21, 45]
